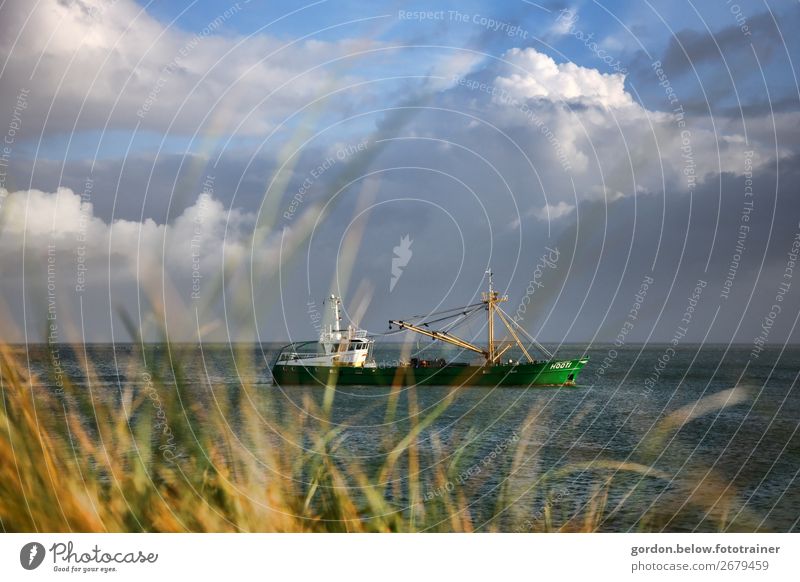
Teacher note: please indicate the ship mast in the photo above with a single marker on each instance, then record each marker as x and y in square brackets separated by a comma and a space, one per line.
[491, 299]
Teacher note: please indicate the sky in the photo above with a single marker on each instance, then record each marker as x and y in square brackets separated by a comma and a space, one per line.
[213, 170]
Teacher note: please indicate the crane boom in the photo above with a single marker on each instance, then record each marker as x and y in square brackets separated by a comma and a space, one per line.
[440, 335]
[491, 300]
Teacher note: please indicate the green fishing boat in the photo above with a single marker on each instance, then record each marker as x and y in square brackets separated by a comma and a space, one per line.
[344, 357]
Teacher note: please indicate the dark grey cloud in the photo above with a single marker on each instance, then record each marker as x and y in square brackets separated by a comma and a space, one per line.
[725, 72]
[699, 47]
[606, 252]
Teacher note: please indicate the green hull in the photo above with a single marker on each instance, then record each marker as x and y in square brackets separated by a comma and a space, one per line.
[552, 373]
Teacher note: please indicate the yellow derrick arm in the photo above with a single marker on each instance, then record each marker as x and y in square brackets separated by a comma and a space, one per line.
[510, 328]
[502, 351]
[491, 353]
[440, 335]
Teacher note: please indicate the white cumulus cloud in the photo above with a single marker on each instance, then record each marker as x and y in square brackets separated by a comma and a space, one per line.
[61, 247]
[535, 75]
[554, 211]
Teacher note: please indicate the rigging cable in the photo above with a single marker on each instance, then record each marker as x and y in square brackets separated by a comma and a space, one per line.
[539, 346]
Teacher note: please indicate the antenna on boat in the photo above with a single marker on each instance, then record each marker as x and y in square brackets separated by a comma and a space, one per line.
[335, 302]
[337, 318]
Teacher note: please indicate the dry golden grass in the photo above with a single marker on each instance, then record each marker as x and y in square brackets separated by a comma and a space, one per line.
[77, 462]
